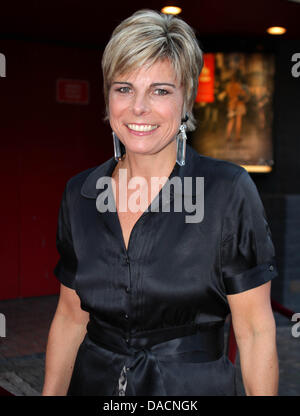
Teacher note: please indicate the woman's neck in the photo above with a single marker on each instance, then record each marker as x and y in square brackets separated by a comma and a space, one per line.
[148, 166]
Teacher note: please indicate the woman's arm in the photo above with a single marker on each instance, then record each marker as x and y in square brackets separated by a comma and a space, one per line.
[255, 331]
[67, 331]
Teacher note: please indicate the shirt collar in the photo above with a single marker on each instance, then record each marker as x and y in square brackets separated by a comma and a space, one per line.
[89, 189]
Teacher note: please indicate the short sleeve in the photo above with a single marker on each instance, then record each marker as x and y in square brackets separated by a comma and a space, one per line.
[65, 269]
[247, 250]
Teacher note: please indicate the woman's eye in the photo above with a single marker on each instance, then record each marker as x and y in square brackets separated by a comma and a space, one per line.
[161, 91]
[123, 90]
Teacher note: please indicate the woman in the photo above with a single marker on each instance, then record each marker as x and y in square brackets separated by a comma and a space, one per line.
[237, 96]
[146, 288]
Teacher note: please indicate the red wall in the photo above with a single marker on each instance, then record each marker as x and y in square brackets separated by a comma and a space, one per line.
[42, 144]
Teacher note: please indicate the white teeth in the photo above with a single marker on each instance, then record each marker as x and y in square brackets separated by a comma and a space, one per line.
[143, 127]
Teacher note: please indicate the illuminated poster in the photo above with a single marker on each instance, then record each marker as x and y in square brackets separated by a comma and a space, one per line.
[234, 109]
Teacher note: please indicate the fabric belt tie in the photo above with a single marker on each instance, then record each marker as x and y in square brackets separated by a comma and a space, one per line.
[191, 344]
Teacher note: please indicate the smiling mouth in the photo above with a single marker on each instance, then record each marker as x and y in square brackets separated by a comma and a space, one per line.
[142, 127]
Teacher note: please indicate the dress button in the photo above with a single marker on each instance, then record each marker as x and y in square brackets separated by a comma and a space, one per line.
[127, 289]
[127, 368]
[126, 316]
[127, 340]
[127, 260]
[271, 268]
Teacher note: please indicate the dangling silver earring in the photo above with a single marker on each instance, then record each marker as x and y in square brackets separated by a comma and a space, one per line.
[117, 147]
[181, 143]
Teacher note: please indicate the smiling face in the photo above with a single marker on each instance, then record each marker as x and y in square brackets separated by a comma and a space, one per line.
[145, 107]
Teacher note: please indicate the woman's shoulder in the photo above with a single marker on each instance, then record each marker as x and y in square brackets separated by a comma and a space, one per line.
[213, 169]
[85, 181]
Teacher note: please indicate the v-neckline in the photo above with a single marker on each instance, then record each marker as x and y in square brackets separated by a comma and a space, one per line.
[147, 211]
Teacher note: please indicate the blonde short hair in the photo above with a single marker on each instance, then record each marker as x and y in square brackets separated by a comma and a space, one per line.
[148, 36]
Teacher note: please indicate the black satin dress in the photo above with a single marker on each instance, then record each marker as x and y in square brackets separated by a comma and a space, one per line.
[157, 310]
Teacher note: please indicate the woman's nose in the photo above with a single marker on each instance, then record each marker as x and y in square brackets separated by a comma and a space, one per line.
[140, 104]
